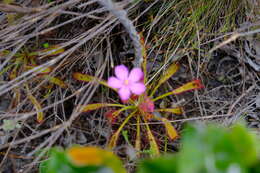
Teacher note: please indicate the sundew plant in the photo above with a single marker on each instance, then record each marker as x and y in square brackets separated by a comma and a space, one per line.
[138, 101]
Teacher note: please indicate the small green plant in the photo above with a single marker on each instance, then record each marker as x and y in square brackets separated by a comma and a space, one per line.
[138, 100]
[211, 149]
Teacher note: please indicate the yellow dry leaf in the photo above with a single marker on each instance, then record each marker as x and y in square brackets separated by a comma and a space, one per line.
[113, 140]
[37, 106]
[13, 73]
[88, 78]
[95, 106]
[57, 81]
[42, 71]
[8, 1]
[171, 131]
[195, 84]
[171, 70]
[82, 77]
[53, 50]
[176, 110]
[153, 145]
[46, 70]
[4, 53]
[91, 107]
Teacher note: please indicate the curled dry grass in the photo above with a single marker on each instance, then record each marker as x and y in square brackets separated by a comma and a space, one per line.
[94, 41]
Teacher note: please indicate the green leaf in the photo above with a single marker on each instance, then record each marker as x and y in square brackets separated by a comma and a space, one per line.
[165, 164]
[223, 148]
[210, 149]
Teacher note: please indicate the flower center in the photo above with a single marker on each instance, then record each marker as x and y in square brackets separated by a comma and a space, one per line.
[126, 82]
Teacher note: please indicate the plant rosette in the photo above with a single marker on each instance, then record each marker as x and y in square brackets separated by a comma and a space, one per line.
[138, 100]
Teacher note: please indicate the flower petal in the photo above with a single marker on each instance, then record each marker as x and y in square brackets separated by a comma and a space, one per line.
[114, 82]
[136, 75]
[121, 72]
[137, 88]
[124, 93]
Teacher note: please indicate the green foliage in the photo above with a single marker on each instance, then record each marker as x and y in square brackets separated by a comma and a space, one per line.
[59, 163]
[81, 160]
[210, 149]
[46, 45]
[165, 164]
[205, 149]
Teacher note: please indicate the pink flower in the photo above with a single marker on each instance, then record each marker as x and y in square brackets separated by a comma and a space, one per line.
[127, 83]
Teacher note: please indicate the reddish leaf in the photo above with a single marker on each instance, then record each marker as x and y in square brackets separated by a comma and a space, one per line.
[110, 115]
